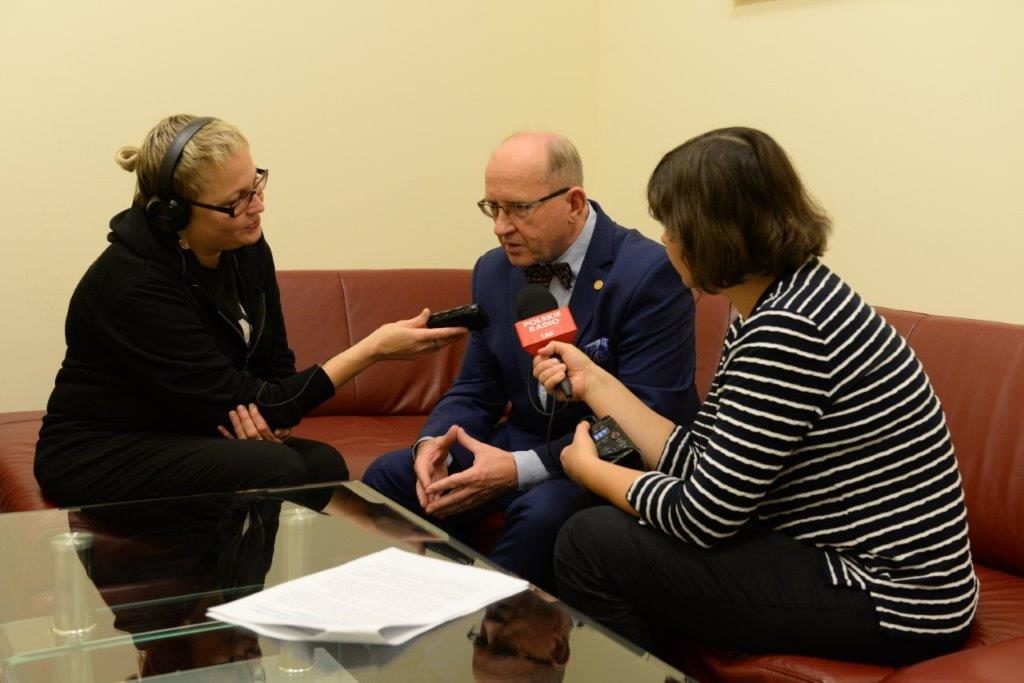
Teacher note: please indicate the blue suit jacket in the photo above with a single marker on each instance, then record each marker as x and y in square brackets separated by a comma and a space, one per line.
[641, 319]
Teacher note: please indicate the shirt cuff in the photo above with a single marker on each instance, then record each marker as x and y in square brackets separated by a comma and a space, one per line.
[531, 469]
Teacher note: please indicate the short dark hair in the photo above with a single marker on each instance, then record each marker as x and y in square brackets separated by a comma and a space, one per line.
[734, 203]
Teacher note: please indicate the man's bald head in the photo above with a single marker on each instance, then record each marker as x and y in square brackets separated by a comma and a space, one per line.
[559, 162]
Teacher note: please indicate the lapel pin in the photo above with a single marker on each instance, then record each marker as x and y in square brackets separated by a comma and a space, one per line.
[598, 284]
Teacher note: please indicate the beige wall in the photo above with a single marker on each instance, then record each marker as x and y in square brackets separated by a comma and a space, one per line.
[904, 118]
[376, 118]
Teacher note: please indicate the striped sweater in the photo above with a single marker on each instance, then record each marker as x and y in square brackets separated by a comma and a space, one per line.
[822, 424]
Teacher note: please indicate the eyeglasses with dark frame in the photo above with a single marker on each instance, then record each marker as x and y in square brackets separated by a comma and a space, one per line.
[479, 639]
[238, 208]
[516, 209]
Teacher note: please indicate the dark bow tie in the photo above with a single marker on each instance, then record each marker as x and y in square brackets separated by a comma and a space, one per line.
[542, 273]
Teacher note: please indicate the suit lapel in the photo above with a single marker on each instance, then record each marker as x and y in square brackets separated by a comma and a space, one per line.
[596, 265]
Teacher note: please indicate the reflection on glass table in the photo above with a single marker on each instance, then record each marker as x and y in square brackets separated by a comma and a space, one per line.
[119, 592]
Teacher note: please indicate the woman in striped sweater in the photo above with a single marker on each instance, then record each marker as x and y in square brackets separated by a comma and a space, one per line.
[815, 506]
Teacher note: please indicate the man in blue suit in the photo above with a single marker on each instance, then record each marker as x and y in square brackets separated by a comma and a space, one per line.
[634, 317]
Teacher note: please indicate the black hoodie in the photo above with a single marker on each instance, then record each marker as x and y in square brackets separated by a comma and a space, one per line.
[149, 350]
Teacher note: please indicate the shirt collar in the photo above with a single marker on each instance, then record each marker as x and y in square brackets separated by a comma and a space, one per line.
[577, 251]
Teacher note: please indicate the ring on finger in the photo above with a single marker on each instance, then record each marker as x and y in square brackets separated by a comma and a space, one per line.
[433, 344]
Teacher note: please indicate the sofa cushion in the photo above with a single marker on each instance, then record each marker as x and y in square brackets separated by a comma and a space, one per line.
[351, 304]
[903, 321]
[313, 305]
[1000, 613]
[977, 369]
[361, 438]
[992, 663]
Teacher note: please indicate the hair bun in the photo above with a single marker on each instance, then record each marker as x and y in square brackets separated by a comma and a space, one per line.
[127, 158]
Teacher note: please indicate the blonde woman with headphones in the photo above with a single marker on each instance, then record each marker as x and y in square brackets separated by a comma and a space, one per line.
[178, 378]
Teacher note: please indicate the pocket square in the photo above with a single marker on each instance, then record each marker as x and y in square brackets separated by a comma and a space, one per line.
[597, 350]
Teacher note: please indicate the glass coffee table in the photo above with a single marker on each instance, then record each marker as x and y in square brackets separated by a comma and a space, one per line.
[120, 592]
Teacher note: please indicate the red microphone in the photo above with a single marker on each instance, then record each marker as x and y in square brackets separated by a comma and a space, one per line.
[541, 321]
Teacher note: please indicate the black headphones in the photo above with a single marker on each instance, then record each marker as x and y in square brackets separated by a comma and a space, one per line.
[165, 210]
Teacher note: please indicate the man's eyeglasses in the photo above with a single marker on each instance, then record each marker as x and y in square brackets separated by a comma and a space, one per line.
[516, 209]
[242, 205]
[479, 639]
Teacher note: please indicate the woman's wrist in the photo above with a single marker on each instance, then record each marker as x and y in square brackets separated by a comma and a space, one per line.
[598, 383]
[609, 481]
[366, 351]
[349, 363]
[603, 392]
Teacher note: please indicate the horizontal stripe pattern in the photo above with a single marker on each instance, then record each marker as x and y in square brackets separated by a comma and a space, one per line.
[821, 423]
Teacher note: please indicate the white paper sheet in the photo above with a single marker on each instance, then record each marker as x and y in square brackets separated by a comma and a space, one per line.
[385, 598]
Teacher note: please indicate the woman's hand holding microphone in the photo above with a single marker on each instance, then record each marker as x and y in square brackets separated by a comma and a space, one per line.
[558, 361]
[552, 364]
[602, 392]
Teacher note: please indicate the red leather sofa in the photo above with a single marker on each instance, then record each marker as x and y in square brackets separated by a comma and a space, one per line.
[977, 369]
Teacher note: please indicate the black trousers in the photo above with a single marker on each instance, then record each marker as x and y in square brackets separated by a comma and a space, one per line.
[143, 466]
[759, 591]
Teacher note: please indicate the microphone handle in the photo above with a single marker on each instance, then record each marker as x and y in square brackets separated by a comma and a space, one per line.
[566, 385]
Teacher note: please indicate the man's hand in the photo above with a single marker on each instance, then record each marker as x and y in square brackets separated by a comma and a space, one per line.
[493, 472]
[429, 464]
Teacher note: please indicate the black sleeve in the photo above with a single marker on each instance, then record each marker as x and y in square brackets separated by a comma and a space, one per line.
[156, 334]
